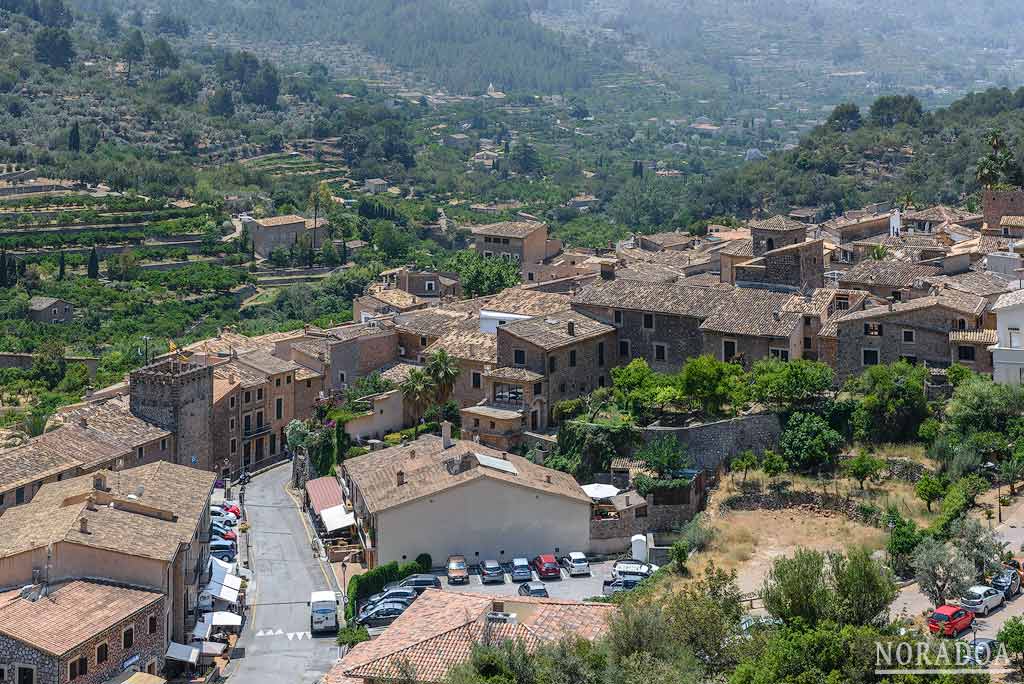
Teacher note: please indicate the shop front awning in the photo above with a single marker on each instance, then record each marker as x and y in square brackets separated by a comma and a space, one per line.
[323, 492]
[223, 618]
[212, 649]
[337, 518]
[202, 630]
[222, 592]
[182, 653]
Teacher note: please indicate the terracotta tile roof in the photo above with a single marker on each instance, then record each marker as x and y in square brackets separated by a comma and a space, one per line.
[517, 300]
[154, 525]
[981, 283]
[467, 342]
[703, 280]
[399, 373]
[399, 299]
[65, 449]
[677, 300]
[754, 312]
[887, 273]
[509, 229]
[740, 248]
[244, 374]
[351, 331]
[41, 303]
[985, 336]
[648, 273]
[435, 322]
[114, 418]
[670, 239]
[1012, 221]
[439, 630]
[778, 223]
[941, 213]
[1008, 300]
[276, 221]
[424, 464]
[959, 302]
[267, 363]
[514, 374]
[324, 492]
[495, 412]
[552, 331]
[71, 613]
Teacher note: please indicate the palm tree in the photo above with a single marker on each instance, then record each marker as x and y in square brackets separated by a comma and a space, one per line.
[418, 390]
[443, 369]
[987, 172]
[879, 252]
[994, 139]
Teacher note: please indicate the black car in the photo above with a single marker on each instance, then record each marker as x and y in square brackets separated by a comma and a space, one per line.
[1008, 582]
[418, 582]
[491, 571]
[404, 595]
[536, 589]
[380, 615]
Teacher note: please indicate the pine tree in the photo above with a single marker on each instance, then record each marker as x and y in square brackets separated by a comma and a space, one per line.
[75, 138]
[3, 268]
[60, 266]
[94, 264]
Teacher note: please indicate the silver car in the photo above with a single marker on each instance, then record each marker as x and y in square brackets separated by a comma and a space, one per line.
[521, 571]
[981, 600]
[576, 564]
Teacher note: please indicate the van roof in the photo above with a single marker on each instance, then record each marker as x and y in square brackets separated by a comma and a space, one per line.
[318, 596]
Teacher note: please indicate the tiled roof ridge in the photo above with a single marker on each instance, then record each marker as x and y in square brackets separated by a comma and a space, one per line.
[408, 647]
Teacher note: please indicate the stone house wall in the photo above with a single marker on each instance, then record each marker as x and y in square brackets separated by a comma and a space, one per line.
[931, 328]
[361, 356]
[999, 203]
[751, 348]
[681, 336]
[15, 653]
[710, 445]
[178, 398]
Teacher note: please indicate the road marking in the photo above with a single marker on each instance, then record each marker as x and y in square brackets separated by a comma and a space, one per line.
[291, 635]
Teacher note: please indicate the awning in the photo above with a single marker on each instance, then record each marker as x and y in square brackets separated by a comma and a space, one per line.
[600, 491]
[324, 492]
[336, 518]
[222, 592]
[212, 649]
[202, 629]
[223, 618]
[216, 563]
[136, 678]
[182, 653]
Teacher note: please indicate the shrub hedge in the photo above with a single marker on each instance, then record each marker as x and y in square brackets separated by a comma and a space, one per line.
[363, 586]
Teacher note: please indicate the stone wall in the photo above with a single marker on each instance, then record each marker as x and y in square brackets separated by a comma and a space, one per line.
[178, 396]
[999, 203]
[710, 445]
[25, 361]
[680, 335]
[15, 653]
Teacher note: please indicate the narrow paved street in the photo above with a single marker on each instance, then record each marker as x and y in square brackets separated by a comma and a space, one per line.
[276, 646]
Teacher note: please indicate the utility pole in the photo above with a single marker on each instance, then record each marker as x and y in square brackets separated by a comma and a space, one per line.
[145, 338]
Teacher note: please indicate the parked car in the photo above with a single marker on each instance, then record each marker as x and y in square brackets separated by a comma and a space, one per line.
[981, 600]
[546, 566]
[614, 585]
[223, 545]
[458, 573]
[576, 564]
[418, 582]
[218, 530]
[1017, 563]
[232, 509]
[491, 571]
[535, 589]
[1008, 582]
[225, 555]
[521, 571]
[223, 517]
[404, 595]
[950, 620]
[380, 615]
[633, 568]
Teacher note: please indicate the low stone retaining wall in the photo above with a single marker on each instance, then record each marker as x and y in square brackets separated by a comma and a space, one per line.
[712, 444]
[819, 503]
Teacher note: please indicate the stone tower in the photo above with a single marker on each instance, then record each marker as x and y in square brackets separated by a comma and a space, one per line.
[178, 396]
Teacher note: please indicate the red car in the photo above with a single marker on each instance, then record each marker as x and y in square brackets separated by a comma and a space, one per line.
[950, 620]
[228, 535]
[231, 508]
[546, 566]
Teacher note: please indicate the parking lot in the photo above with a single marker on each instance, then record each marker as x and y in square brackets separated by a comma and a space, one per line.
[574, 588]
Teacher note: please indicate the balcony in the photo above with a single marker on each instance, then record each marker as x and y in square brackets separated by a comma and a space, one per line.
[256, 431]
[506, 405]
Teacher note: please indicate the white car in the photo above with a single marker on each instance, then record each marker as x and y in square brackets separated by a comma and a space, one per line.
[223, 517]
[576, 563]
[633, 568]
[981, 600]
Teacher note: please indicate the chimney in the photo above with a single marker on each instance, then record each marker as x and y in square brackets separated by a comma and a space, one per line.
[401, 478]
[83, 421]
[607, 271]
[83, 525]
[99, 482]
[571, 327]
[412, 454]
[547, 478]
[446, 435]
[627, 499]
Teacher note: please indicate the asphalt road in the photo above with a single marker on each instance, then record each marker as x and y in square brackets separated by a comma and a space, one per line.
[276, 646]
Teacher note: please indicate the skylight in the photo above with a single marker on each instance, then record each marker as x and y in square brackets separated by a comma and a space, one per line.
[496, 464]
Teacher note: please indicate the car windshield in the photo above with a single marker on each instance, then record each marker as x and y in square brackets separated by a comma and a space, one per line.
[939, 617]
[457, 565]
[579, 561]
[973, 596]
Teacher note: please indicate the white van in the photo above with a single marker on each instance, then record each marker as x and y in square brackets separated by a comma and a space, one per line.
[323, 612]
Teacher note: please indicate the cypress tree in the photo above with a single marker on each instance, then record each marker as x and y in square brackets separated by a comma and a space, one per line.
[60, 266]
[3, 268]
[75, 138]
[94, 264]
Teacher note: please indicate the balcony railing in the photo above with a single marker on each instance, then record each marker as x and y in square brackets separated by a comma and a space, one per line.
[507, 405]
[254, 431]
